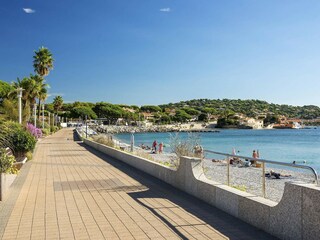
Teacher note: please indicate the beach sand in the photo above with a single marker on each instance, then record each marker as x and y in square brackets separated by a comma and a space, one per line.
[247, 179]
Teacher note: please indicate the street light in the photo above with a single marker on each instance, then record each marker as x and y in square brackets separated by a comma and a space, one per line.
[43, 116]
[86, 127]
[49, 121]
[132, 140]
[19, 102]
[35, 114]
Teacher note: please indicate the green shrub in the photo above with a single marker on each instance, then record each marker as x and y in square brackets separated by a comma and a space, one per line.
[16, 137]
[29, 155]
[13, 170]
[185, 146]
[6, 161]
[23, 142]
[45, 131]
[54, 129]
[46, 126]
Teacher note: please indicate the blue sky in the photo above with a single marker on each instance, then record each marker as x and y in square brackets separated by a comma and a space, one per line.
[160, 51]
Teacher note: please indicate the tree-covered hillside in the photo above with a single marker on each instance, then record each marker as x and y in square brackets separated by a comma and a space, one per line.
[227, 110]
[251, 108]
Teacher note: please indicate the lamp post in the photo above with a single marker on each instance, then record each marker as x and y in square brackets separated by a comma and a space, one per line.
[20, 105]
[35, 114]
[49, 121]
[43, 116]
[86, 127]
[132, 141]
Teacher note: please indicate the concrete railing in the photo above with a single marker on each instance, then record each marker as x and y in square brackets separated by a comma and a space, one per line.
[296, 216]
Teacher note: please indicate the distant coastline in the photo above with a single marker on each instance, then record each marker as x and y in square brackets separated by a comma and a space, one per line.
[186, 127]
[114, 129]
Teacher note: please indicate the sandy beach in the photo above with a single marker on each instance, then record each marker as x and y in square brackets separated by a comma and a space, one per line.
[247, 179]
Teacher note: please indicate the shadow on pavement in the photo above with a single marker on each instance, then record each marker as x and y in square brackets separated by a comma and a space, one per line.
[76, 138]
[222, 222]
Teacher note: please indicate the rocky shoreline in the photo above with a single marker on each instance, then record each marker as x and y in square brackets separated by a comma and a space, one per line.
[111, 129]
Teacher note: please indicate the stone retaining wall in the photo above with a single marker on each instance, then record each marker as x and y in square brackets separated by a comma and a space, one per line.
[297, 216]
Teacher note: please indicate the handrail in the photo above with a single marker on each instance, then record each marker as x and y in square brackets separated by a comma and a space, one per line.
[270, 161]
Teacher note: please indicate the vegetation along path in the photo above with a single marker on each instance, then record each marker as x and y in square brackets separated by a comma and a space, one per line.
[72, 192]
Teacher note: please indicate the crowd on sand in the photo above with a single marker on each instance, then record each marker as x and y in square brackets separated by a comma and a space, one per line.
[155, 147]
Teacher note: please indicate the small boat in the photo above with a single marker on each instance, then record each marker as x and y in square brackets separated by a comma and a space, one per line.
[296, 125]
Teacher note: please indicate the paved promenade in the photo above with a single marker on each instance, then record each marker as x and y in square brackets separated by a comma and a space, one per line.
[69, 191]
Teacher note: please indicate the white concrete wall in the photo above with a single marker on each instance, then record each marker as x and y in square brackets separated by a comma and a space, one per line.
[297, 216]
[6, 181]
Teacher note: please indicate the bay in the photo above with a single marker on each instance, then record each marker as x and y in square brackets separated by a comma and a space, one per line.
[284, 145]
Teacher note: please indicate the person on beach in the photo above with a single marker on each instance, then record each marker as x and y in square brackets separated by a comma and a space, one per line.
[254, 155]
[198, 151]
[143, 146]
[160, 147]
[154, 146]
[247, 163]
[276, 175]
[234, 160]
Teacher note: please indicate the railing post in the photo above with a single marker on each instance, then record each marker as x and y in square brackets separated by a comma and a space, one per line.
[263, 180]
[228, 171]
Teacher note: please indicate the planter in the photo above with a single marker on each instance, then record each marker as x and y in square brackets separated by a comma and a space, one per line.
[5, 182]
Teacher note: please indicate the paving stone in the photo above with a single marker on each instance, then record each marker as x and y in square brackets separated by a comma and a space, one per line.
[69, 191]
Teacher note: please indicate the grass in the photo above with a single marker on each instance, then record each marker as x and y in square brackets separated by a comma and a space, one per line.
[240, 187]
[104, 139]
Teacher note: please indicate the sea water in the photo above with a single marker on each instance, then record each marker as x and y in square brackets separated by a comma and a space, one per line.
[284, 145]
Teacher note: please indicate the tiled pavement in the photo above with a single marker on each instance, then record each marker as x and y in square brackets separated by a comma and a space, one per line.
[70, 191]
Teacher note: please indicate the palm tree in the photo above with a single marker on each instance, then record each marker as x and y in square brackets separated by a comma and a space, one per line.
[43, 61]
[30, 92]
[42, 90]
[43, 94]
[57, 103]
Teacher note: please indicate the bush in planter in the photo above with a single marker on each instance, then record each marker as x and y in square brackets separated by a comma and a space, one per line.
[7, 129]
[46, 126]
[13, 135]
[54, 129]
[6, 161]
[23, 142]
[45, 131]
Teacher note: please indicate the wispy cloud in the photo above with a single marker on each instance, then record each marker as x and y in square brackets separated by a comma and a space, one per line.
[55, 94]
[165, 10]
[68, 101]
[29, 10]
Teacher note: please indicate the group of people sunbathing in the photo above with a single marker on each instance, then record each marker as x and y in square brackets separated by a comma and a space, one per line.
[247, 163]
[154, 147]
[145, 147]
[238, 161]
